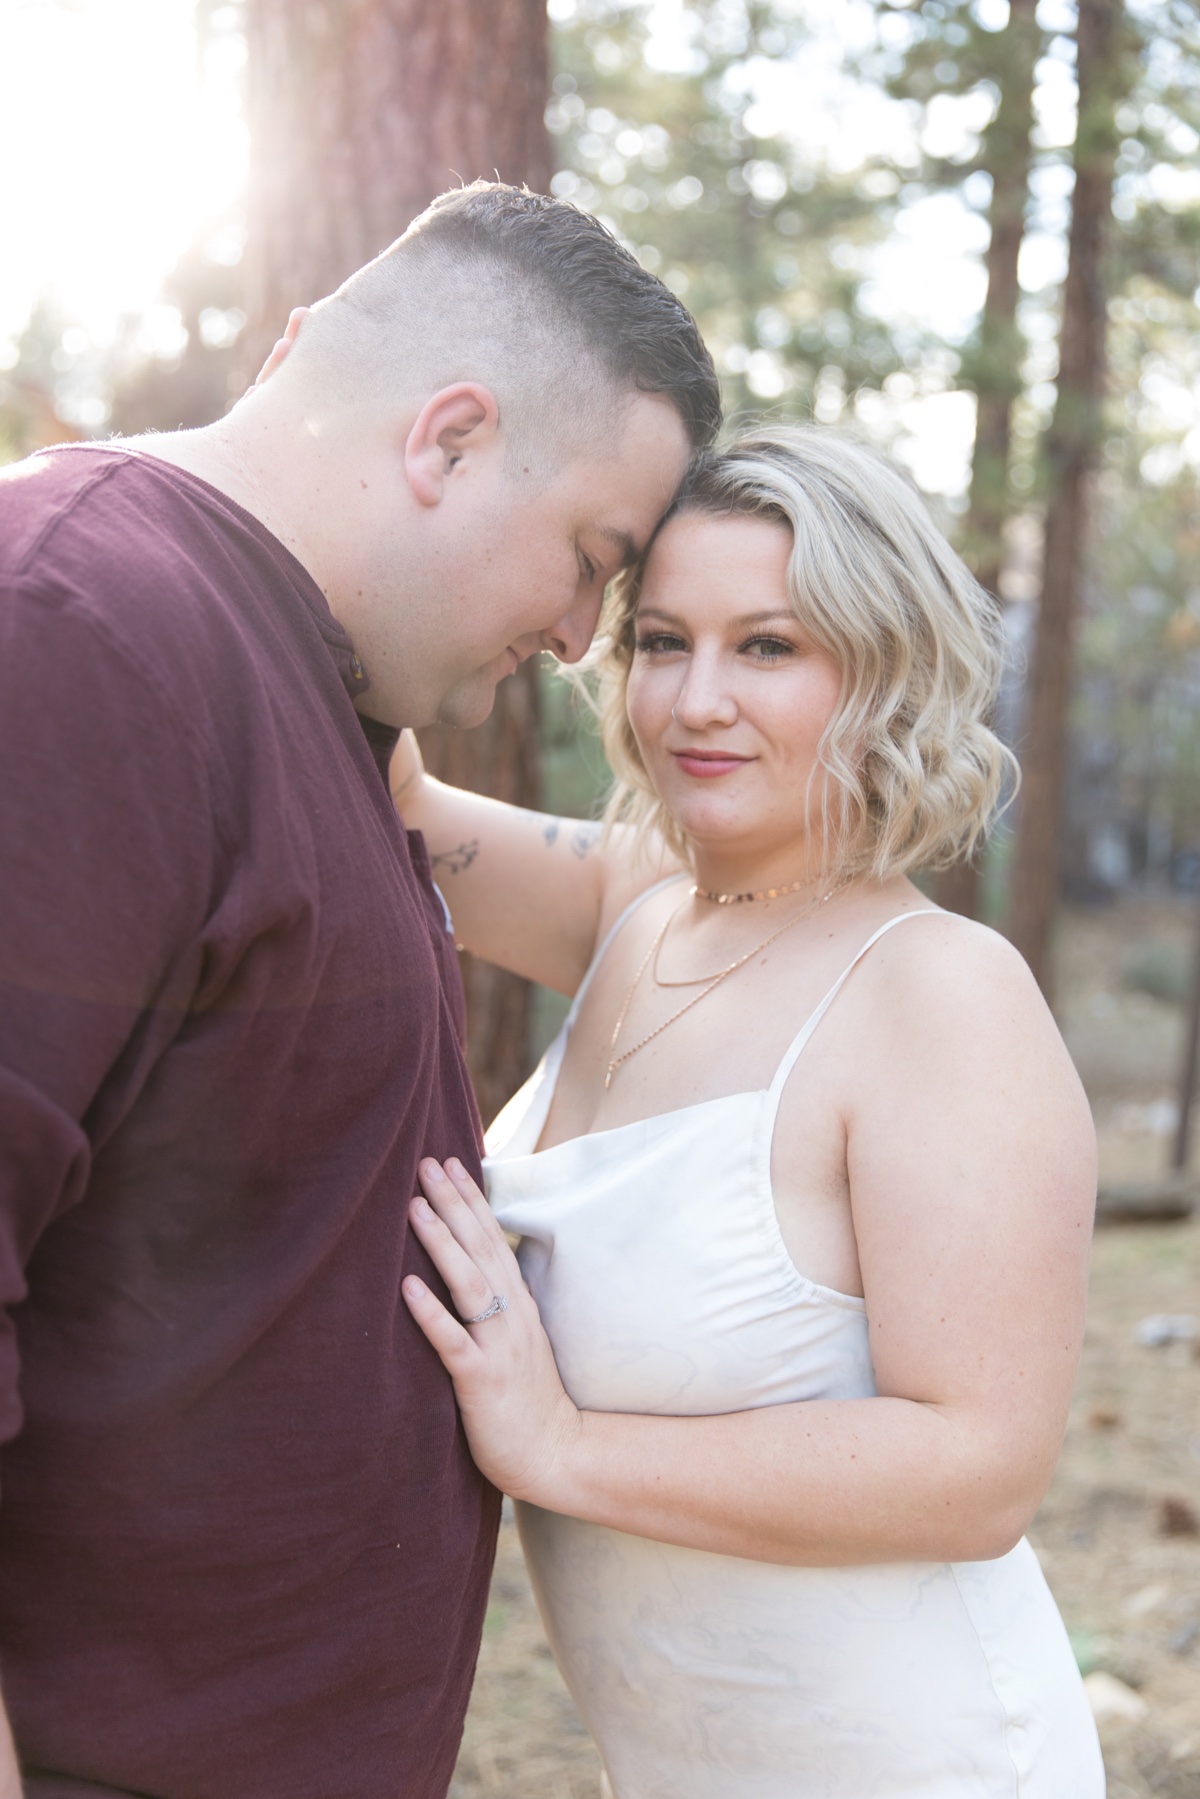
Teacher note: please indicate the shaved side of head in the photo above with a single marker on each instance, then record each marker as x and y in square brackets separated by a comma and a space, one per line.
[529, 297]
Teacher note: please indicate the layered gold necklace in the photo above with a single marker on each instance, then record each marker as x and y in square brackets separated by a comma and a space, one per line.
[710, 982]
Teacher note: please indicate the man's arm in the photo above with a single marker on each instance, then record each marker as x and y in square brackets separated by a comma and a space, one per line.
[107, 855]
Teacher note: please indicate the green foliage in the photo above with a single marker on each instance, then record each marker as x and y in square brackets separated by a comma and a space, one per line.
[690, 169]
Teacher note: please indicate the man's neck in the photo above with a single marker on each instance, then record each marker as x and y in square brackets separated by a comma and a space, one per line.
[253, 470]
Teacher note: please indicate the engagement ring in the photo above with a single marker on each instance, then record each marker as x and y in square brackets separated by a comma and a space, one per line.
[499, 1304]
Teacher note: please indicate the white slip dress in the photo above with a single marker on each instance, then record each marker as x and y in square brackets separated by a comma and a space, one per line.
[654, 1253]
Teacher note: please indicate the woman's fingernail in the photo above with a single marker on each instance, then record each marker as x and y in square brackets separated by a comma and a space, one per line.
[422, 1208]
[455, 1167]
[431, 1170]
[416, 1289]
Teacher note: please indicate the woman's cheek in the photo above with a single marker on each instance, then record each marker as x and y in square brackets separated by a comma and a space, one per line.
[648, 710]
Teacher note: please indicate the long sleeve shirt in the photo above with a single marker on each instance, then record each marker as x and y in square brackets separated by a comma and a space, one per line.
[243, 1550]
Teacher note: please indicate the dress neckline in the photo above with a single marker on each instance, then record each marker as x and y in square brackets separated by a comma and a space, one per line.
[633, 1124]
[553, 1060]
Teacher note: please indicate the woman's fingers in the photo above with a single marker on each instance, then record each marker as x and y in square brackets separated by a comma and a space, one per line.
[462, 1207]
[451, 1341]
[470, 1287]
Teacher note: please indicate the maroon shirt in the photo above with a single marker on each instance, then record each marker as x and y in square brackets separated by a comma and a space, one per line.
[243, 1550]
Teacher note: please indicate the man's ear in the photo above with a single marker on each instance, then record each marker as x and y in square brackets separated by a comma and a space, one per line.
[283, 344]
[453, 423]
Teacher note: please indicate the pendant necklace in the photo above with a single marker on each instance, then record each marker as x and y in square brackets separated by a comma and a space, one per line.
[713, 981]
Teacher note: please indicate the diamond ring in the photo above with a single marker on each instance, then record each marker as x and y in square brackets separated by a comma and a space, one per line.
[499, 1304]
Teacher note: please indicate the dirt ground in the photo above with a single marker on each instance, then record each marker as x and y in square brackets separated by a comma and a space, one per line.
[1114, 1532]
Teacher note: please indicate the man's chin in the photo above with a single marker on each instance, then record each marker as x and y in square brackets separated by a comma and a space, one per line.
[468, 704]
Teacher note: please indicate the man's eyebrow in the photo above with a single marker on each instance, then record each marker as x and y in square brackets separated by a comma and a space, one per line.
[625, 547]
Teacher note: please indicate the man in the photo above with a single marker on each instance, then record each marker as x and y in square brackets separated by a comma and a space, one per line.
[243, 1551]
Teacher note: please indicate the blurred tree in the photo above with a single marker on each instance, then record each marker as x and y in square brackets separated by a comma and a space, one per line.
[33, 414]
[1135, 729]
[952, 52]
[695, 168]
[359, 114]
[181, 365]
[1105, 73]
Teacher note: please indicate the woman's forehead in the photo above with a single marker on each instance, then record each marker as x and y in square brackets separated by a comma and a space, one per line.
[712, 557]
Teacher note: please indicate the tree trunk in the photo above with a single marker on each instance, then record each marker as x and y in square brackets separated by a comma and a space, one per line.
[1070, 452]
[360, 112]
[994, 368]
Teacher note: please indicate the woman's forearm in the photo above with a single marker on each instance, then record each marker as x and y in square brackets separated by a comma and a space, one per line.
[825, 1483]
[524, 890]
[820, 1483]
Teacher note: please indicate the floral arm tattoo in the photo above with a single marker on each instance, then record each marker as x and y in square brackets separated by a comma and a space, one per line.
[456, 861]
[583, 838]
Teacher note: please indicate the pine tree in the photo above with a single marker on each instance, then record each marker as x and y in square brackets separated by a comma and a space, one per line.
[1105, 72]
[950, 51]
[763, 245]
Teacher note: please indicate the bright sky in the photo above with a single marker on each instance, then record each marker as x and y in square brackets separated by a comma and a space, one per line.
[115, 146]
[118, 146]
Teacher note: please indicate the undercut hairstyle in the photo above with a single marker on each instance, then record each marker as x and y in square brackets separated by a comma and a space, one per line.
[914, 774]
[529, 296]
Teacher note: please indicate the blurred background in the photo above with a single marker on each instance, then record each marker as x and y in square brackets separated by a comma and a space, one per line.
[968, 229]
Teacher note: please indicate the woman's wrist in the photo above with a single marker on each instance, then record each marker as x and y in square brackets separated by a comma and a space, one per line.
[406, 772]
[565, 1476]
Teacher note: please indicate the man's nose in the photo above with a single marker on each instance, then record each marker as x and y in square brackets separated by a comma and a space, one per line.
[569, 638]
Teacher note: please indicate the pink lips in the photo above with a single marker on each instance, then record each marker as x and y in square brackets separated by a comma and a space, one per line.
[705, 765]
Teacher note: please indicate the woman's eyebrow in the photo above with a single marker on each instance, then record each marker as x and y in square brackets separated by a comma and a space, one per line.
[743, 620]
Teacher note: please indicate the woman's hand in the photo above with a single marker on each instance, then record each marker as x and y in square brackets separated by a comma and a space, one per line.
[519, 1420]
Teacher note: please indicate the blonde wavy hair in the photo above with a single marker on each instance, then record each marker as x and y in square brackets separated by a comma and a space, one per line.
[914, 774]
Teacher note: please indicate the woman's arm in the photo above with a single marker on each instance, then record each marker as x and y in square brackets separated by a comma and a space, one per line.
[973, 1181]
[526, 891]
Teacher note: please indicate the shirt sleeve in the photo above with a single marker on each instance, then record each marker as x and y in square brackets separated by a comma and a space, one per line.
[107, 849]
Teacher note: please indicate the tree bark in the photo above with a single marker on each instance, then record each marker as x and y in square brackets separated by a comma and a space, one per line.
[1071, 450]
[994, 368]
[360, 112]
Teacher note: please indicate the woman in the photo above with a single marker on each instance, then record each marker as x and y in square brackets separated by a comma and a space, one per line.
[792, 1366]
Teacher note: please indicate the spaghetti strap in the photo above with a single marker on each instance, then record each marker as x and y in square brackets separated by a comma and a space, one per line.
[814, 1018]
[600, 953]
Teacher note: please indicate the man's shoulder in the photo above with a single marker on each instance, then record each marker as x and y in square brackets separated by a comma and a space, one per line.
[44, 495]
[130, 552]
[97, 512]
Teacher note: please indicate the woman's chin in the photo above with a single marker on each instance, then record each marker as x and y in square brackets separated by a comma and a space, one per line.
[717, 827]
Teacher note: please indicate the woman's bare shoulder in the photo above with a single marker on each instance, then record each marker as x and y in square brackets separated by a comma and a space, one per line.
[953, 1006]
[943, 959]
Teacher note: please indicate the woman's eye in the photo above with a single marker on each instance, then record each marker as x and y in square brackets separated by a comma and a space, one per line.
[769, 649]
[659, 643]
[589, 567]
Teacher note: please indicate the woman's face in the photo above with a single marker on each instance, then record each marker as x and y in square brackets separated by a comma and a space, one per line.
[726, 697]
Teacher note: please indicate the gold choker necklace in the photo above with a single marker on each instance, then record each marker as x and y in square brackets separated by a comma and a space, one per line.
[737, 899]
[711, 982]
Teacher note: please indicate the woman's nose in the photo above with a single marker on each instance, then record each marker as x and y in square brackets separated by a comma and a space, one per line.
[703, 699]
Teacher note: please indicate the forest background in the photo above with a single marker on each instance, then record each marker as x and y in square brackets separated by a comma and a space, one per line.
[964, 228]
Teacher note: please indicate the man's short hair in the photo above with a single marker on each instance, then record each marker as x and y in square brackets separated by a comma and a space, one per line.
[529, 295]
